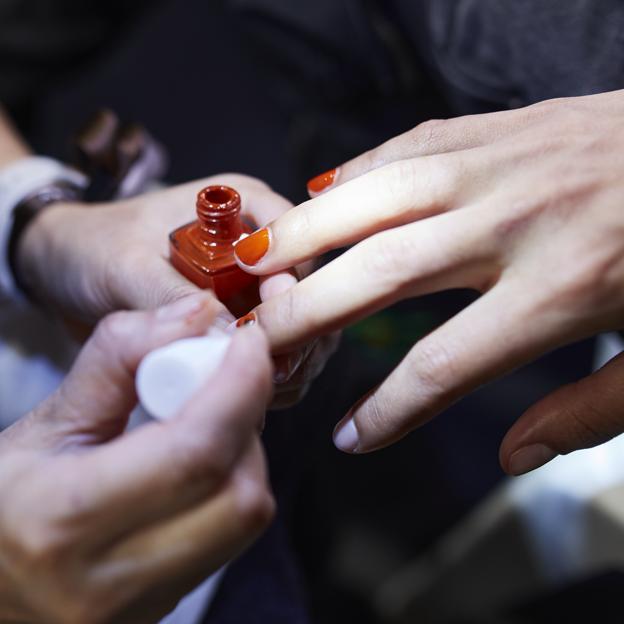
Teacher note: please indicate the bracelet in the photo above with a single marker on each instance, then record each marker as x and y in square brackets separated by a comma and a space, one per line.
[38, 181]
[26, 211]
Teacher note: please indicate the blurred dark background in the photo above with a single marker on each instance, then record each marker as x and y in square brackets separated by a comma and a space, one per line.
[225, 90]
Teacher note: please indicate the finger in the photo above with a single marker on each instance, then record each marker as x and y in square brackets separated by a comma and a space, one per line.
[263, 206]
[394, 195]
[95, 399]
[435, 136]
[315, 357]
[285, 365]
[286, 399]
[169, 465]
[485, 340]
[576, 416]
[447, 251]
[158, 283]
[191, 545]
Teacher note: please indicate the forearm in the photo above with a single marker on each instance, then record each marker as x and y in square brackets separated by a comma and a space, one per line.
[12, 146]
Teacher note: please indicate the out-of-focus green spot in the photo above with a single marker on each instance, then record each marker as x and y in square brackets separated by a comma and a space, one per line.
[391, 332]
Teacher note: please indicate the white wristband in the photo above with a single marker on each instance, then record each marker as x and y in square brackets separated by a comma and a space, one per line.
[18, 181]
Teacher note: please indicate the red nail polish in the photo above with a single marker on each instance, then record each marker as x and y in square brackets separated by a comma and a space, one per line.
[203, 251]
[248, 319]
[251, 249]
[321, 182]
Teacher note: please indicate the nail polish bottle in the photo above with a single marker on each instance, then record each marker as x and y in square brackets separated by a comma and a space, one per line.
[203, 251]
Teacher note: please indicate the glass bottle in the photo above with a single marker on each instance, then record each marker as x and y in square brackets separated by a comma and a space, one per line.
[203, 250]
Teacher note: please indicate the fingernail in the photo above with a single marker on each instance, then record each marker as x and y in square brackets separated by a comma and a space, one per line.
[251, 249]
[248, 319]
[346, 437]
[322, 182]
[182, 308]
[529, 458]
[286, 366]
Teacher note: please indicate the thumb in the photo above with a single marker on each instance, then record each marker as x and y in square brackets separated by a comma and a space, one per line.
[156, 284]
[576, 416]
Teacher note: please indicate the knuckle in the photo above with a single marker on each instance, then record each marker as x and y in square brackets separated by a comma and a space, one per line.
[197, 460]
[256, 505]
[377, 417]
[171, 293]
[288, 312]
[372, 159]
[591, 284]
[113, 330]
[399, 183]
[388, 260]
[299, 224]
[36, 545]
[432, 365]
[430, 134]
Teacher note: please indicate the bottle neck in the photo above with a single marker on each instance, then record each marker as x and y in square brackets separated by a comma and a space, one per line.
[218, 212]
[222, 230]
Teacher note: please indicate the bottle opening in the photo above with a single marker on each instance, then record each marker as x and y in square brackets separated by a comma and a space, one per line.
[219, 195]
[217, 201]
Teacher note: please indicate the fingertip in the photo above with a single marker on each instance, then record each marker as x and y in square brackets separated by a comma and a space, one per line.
[346, 436]
[323, 182]
[250, 348]
[251, 250]
[276, 284]
[529, 458]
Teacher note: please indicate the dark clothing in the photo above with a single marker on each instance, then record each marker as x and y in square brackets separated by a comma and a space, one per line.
[347, 74]
[496, 52]
[508, 53]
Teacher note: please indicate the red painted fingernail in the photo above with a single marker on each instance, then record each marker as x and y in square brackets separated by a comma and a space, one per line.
[248, 319]
[251, 249]
[321, 182]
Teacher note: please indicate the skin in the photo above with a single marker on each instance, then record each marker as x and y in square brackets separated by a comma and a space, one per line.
[85, 261]
[523, 206]
[73, 548]
[96, 526]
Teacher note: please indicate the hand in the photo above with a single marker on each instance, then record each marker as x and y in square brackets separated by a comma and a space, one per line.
[96, 526]
[88, 261]
[523, 206]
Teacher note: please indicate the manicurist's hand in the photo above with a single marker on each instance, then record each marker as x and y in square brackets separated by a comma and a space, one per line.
[89, 260]
[524, 206]
[96, 526]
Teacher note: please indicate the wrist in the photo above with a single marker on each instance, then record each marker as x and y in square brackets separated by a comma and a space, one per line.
[38, 256]
[27, 187]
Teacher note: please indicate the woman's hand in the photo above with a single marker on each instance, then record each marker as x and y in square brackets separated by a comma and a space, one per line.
[89, 260]
[96, 526]
[524, 206]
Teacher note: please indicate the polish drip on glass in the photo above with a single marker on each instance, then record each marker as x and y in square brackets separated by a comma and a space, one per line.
[203, 251]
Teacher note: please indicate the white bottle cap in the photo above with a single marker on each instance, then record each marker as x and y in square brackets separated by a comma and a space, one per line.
[168, 377]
